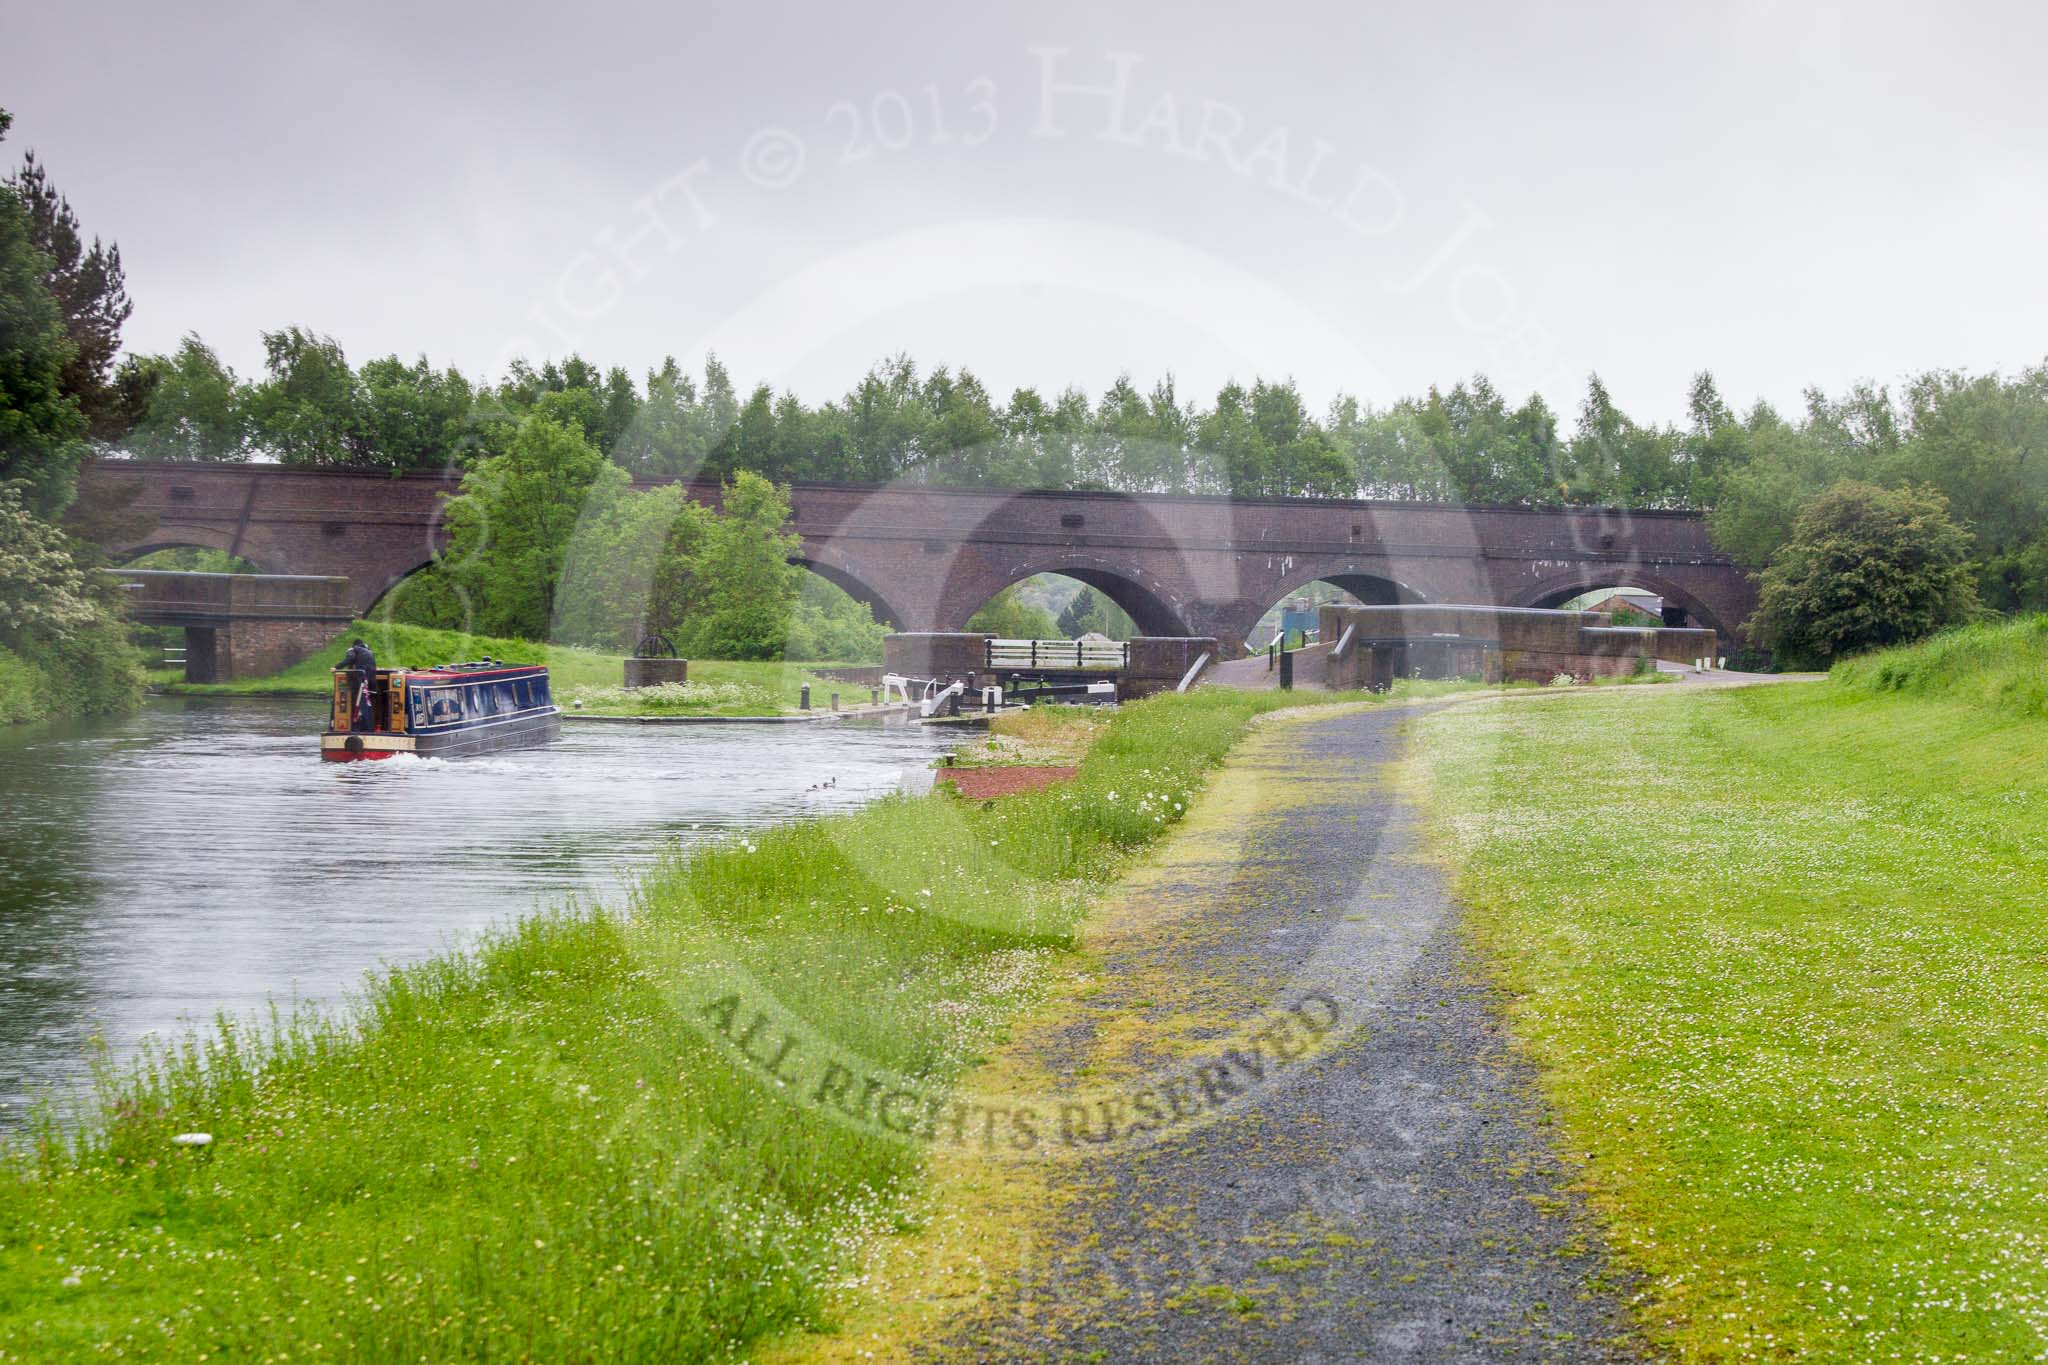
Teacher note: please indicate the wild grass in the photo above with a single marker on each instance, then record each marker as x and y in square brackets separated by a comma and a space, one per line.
[718, 687]
[1055, 736]
[1777, 953]
[537, 1148]
[2003, 665]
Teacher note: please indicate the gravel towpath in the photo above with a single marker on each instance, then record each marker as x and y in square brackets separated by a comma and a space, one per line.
[1390, 1194]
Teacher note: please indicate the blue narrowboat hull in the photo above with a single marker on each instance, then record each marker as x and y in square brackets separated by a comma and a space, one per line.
[509, 732]
[440, 712]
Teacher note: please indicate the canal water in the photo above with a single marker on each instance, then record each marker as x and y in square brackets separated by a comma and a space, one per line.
[198, 856]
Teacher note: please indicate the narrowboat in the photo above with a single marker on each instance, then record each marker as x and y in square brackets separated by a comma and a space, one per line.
[450, 709]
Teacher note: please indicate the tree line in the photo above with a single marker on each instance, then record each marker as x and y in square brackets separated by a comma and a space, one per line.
[1977, 440]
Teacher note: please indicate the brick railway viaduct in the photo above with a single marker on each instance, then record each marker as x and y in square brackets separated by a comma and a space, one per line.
[927, 558]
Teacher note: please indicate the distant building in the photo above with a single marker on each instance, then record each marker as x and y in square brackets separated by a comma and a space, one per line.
[1649, 604]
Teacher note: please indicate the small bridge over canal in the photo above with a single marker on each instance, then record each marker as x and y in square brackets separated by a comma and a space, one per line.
[239, 625]
[927, 558]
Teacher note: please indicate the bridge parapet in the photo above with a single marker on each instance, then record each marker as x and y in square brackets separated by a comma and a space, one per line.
[239, 625]
[1375, 645]
[173, 598]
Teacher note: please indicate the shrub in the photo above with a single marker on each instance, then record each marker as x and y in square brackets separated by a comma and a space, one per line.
[94, 671]
[1866, 567]
[21, 690]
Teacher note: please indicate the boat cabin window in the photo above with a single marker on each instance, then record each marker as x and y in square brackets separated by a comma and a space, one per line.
[443, 704]
[491, 699]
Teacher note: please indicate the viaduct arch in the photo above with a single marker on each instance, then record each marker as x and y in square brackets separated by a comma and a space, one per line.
[927, 558]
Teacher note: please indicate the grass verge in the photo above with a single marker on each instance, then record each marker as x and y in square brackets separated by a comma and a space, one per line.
[1777, 952]
[540, 1147]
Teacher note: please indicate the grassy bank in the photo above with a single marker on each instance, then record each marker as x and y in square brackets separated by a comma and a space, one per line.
[716, 687]
[94, 672]
[1778, 953]
[557, 1145]
[1999, 665]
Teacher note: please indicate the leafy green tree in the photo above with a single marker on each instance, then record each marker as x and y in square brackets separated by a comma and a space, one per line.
[1714, 444]
[44, 592]
[1008, 618]
[1973, 438]
[1759, 499]
[1611, 459]
[750, 443]
[631, 568]
[310, 410]
[745, 582]
[510, 529]
[1144, 443]
[1227, 435]
[192, 559]
[1866, 567]
[1303, 462]
[413, 416]
[195, 409]
[602, 403]
[61, 619]
[963, 442]
[1863, 428]
[1089, 611]
[1474, 449]
[1983, 442]
[886, 419]
[667, 438]
[828, 624]
[1399, 453]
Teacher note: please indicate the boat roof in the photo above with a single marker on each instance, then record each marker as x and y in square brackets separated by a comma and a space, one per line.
[481, 668]
[468, 672]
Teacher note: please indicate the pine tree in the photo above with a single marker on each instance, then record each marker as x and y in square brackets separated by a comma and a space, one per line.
[40, 424]
[91, 291]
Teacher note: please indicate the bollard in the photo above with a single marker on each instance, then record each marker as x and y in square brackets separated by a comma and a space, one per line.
[1286, 671]
[803, 695]
[835, 701]
[874, 696]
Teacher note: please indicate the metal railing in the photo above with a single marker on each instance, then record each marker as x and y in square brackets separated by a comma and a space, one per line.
[1074, 655]
[1278, 645]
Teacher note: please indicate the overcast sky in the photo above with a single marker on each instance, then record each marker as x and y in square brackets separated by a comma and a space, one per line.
[1368, 197]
